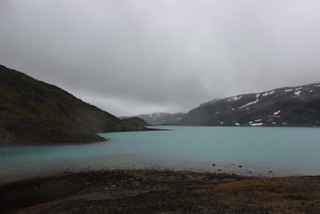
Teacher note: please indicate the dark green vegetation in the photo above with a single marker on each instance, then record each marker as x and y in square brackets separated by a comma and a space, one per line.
[34, 112]
[147, 191]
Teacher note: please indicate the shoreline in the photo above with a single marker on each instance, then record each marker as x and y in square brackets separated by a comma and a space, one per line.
[155, 191]
[71, 143]
[22, 171]
[149, 128]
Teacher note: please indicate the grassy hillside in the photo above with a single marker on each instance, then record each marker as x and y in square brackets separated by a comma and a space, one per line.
[35, 112]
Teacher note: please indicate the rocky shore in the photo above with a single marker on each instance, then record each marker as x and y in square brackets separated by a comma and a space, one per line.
[151, 191]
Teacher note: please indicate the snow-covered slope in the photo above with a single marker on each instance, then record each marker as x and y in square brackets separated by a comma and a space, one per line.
[161, 118]
[290, 106]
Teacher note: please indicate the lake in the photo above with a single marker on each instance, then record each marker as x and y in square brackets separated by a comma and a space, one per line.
[265, 151]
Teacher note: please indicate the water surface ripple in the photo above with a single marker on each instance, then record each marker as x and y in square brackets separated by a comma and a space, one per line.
[242, 150]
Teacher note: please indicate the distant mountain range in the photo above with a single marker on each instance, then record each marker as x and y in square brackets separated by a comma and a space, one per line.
[34, 112]
[289, 106]
[160, 118]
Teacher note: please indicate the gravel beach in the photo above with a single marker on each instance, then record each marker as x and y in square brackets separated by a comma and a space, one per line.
[155, 191]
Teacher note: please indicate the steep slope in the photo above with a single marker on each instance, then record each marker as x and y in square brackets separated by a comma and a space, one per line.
[34, 112]
[290, 106]
[161, 118]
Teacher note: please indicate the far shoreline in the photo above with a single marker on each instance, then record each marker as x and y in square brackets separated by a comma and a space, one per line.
[148, 128]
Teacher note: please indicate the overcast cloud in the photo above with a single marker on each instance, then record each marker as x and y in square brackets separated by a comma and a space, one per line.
[141, 56]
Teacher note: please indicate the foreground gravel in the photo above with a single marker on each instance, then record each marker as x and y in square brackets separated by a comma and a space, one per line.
[151, 191]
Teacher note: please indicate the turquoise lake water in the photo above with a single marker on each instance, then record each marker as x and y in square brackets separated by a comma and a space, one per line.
[242, 150]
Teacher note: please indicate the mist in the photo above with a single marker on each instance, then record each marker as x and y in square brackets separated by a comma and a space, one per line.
[132, 57]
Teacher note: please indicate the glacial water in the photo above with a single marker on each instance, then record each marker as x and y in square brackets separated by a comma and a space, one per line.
[242, 150]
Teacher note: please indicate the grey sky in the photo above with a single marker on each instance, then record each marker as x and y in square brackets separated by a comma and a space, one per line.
[140, 56]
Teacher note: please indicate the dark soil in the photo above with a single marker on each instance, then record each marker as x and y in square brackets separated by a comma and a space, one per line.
[149, 191]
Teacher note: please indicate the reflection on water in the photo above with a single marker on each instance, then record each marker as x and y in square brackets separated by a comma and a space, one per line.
[243, 150]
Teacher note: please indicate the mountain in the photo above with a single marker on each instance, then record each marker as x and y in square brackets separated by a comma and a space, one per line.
[290, 106]
[161, 118]
[136, 120]
[34, 112]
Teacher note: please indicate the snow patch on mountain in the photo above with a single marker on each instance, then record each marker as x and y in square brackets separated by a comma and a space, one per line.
[256, 124]
[257, 100]
[236, 98]
[297, 93]
[251, 123]
[276, 113]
